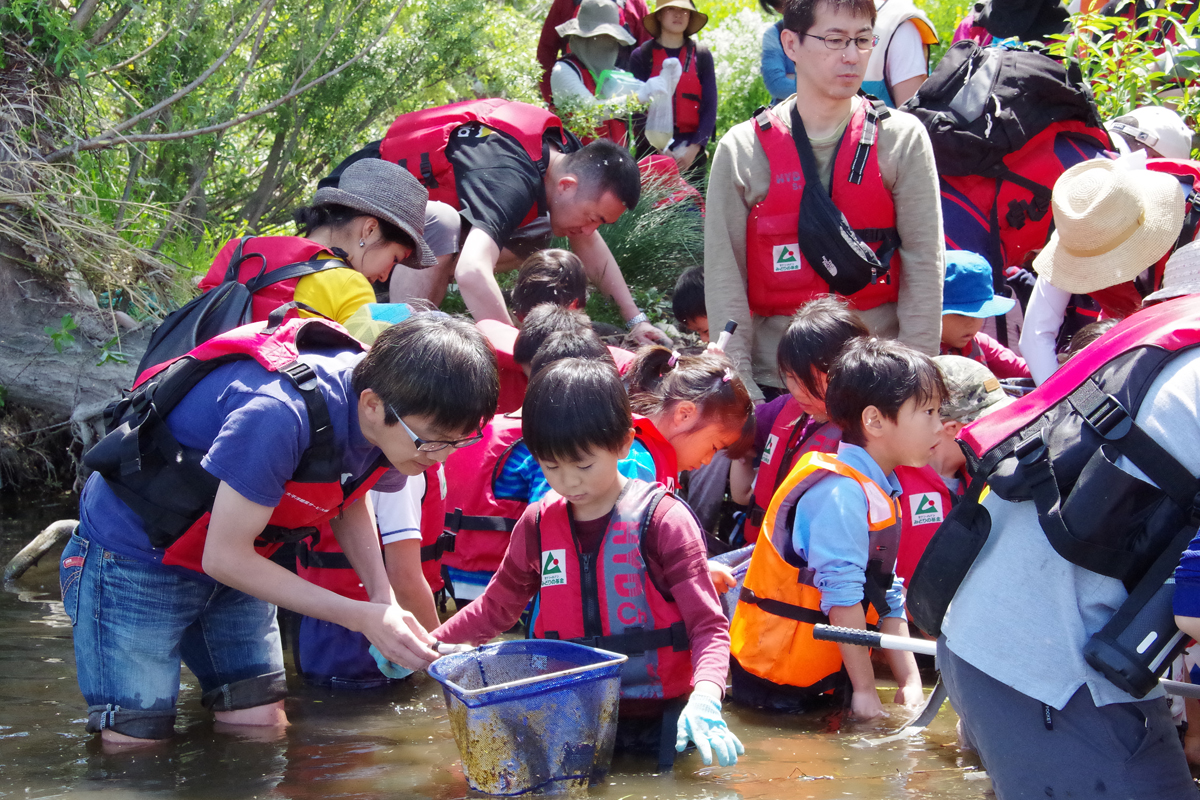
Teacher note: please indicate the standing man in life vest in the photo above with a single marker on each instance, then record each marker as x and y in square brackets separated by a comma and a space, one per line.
[883, 181]
[516, 177]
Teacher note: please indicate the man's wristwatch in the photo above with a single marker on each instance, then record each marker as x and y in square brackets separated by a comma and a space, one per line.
[636, 320]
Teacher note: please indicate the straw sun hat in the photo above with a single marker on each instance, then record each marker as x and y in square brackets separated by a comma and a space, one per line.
[698, 20]
[385, 191]
[597, 18]
[1110, 223]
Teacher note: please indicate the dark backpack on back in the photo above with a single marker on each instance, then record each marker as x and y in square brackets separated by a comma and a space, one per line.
[1004, 125]
[223, 308]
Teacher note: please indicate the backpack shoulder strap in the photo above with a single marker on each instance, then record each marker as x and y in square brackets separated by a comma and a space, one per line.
[236, 259]
[296, 270]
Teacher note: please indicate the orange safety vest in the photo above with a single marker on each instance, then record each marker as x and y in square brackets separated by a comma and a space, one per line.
[771, 632]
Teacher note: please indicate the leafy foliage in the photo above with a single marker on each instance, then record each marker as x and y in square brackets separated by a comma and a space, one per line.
[1120, 58]
[736, 44]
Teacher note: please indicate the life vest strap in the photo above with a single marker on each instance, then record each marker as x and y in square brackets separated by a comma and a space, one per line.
[636, 640]
[312, 559]
[443, 544]
[456, 521]
[779, 608]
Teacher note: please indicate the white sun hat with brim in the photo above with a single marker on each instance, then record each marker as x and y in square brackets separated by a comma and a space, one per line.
[597, 18]
[1111, 223]
[1181, 275]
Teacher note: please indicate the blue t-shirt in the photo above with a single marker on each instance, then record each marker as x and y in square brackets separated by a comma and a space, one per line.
[832, 535]
[254, 426]
[522, 479]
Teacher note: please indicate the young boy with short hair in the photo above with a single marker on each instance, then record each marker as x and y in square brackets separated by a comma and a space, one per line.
[839, 554]
[578, 425]
[687, 302]
[968, 299]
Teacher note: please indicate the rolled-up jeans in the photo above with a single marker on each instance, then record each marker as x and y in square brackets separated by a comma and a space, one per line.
[135, 622]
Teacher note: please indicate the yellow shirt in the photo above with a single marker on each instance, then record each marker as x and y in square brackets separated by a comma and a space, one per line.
[336, 293]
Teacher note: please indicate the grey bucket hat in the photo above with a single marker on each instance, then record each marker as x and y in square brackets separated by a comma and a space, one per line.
[388, 192]
[597, 18]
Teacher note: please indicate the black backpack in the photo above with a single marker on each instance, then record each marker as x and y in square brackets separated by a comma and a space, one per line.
[223, 308]
[981, 104]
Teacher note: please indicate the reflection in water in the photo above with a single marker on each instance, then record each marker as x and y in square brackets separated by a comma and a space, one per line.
[392, 743]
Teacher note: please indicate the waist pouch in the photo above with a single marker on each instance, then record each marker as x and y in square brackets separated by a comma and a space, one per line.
[826, 239]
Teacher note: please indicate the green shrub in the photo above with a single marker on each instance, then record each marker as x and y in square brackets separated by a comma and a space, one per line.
[1117, 57]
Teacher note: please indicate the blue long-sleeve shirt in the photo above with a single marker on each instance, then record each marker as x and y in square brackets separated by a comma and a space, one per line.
[831, 532]
[778, 71]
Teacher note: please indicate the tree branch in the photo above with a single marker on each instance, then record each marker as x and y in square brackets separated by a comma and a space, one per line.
[110, 25]
[109, 138]
[87, 9]
[133, 58]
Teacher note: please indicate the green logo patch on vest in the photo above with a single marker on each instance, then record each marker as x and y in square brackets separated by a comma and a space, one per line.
[785, 257]
[554, 569]
[769, 448]
[926, 508]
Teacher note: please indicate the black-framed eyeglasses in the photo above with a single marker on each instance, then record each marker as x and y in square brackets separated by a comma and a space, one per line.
[434, 445]
[837, 42]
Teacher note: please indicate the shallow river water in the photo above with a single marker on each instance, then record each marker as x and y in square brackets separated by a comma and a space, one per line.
[388, 743]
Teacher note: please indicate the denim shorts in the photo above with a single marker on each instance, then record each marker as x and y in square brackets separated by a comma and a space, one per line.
[133, 625]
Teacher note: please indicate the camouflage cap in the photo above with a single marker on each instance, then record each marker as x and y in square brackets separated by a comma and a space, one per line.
[974, 391]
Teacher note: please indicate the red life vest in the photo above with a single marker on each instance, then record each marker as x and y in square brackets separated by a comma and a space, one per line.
[686, 101]
[609, 600]
[272, 253]
[666, 464]
[616, 130]
[660, 172]
[323, 562]
[513, 383]
[792, 435]
[923, 506]
[434, 540]
[173, 498]
[482, 523]
[779, 281]
[417, 140]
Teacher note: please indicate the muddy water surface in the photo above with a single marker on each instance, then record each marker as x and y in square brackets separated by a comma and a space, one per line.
[390, 743]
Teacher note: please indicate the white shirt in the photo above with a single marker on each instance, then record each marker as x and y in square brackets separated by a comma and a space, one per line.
[398, 514]
[1043, 317]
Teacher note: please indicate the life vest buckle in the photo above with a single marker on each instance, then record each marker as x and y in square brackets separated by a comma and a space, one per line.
[1031, 449]
[1109, 418]
[301, 374]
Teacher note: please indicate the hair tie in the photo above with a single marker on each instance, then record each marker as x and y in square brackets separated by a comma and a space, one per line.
[728, 375]
[674, 359]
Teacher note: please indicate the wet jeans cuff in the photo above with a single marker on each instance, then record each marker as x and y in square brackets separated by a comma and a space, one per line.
[152, 723]
[247, 693]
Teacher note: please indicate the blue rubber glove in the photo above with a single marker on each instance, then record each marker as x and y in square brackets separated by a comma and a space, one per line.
[701, 722]
[389, 668]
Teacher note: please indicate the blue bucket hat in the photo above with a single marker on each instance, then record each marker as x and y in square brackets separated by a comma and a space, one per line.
[968, 287]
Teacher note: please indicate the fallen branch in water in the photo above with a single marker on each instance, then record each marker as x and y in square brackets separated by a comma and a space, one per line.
[31, 553]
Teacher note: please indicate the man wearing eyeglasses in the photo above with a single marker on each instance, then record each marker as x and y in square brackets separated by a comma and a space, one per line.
[876, 165]
[170, 561]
